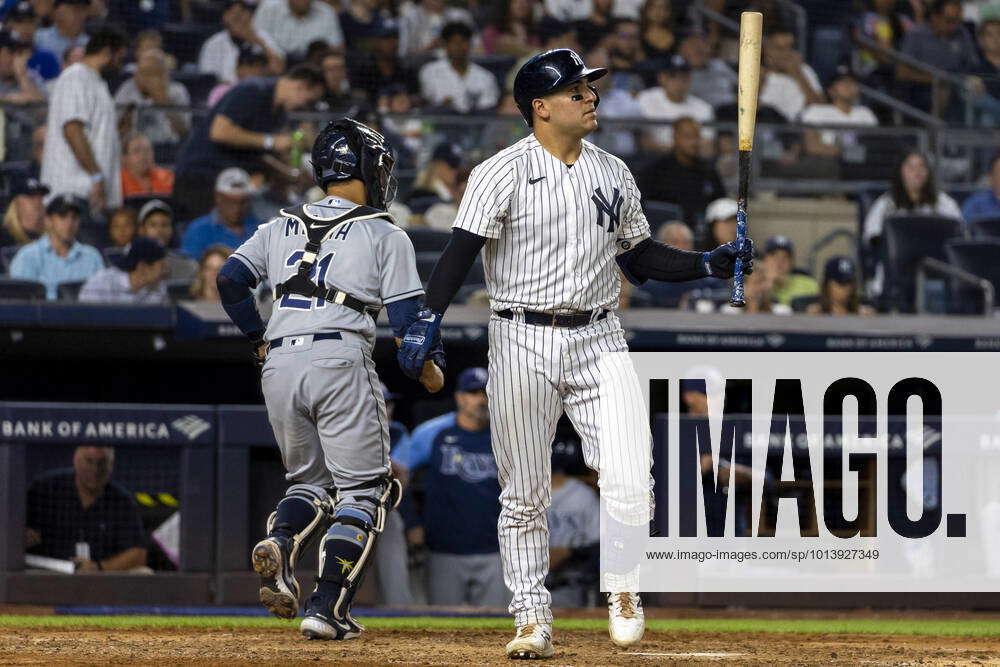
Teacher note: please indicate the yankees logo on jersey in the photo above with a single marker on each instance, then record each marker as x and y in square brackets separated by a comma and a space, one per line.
[539, 213]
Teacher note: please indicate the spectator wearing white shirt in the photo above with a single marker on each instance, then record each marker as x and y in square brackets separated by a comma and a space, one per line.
[138, 279]
[151, 85]
[842, 110]
[421, 25]
[295, 24]
[913, 192]
[220, 53]
[789, 84]
[454, 81]
[83, 148]
[671, 100]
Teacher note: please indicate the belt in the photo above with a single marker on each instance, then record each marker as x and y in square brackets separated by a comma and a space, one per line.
[555, 319]
[278, 342]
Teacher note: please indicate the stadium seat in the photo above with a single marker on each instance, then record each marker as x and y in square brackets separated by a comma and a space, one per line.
[659, 212]
[184, 40]
[498, 66]
[906, 240]
[986, 228]
[198, 84]
[801, 303]
[69, 291]
[179, 290]
[12, 289]
[7, 256]
[980, 258]
[428, 240]
[425, 264]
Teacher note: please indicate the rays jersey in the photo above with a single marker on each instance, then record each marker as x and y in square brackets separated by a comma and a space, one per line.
[552, 231]
[366, 255]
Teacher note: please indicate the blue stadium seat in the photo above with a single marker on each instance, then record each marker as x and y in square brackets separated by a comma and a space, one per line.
[179, 290]
[6, 256]
[987, 228]
[498, 66]
[428, 240]
[906, 240]
[12, 289]
[978, 257]
[184, 40]
[69, 291]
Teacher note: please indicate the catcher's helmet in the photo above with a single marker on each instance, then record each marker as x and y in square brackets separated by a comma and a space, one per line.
[550, 71]
[347, 149]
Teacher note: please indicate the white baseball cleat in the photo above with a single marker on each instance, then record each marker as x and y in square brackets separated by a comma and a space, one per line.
[532, 642]
[626, 622]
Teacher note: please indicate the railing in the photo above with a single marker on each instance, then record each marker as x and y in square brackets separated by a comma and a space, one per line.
[931, 265]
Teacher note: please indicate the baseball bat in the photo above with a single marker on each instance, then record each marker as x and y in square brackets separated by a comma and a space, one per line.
[750, 36]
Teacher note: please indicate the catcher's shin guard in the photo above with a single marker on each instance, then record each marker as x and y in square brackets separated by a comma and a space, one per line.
[303, 513]
[349, 545]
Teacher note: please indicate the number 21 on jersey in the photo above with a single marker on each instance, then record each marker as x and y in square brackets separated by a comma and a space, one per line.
[317, 275]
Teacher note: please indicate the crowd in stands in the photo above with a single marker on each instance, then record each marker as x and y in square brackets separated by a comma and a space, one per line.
[152, 100]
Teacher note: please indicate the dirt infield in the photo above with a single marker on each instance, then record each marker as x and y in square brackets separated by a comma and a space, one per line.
[148, 646]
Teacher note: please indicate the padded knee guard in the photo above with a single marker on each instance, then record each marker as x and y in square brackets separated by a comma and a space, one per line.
[348, 548]
[303, 514]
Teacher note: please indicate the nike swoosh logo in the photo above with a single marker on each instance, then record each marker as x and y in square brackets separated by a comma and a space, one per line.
[532, 181]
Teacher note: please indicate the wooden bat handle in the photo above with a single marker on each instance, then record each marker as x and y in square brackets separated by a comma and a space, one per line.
[431, 376]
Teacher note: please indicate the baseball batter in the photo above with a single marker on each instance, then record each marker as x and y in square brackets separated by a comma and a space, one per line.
[556, 217]
[334, 264]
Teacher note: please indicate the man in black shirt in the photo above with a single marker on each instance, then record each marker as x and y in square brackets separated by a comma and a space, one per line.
[79, 514]
[242, 130]
[682, 176]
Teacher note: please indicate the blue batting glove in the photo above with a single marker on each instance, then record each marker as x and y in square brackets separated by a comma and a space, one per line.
[721, 262]
[420, 338]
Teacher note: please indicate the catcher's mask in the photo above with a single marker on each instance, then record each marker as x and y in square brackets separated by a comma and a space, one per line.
[347, 149]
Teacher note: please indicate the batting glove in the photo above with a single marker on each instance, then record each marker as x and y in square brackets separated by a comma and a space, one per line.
[721, 262]
[420, 337]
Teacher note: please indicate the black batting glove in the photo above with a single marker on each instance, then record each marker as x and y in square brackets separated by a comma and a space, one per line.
[721, 262]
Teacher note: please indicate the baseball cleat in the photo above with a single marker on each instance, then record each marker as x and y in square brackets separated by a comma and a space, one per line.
[626, 622]
[279, 591]
[320, 623]
[532, 642]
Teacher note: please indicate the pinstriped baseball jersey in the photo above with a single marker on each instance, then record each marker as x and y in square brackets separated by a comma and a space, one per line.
[368, 257]
[553, 231]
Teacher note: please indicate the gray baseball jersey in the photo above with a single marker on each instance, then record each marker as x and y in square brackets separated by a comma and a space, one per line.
[553, 231]
[368, 257]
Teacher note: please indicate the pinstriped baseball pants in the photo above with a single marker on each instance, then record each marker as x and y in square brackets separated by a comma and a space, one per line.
[535, 373]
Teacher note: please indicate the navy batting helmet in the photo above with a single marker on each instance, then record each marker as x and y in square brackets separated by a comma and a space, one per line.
[347, 149]
[548, 72]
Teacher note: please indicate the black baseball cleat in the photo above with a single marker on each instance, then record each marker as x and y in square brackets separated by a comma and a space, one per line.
[279, 591]
[321, 623]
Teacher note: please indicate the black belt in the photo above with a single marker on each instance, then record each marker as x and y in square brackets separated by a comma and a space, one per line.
[330, 294]
[278, 342]
[555, 319]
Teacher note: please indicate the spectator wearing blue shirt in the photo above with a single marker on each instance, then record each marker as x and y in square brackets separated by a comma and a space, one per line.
[230, 223]
[462, 499]
[57, 257]
[69, 22]
[984, 204]
[23, 23]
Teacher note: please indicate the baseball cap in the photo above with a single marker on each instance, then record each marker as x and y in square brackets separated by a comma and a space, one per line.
[386, 394]
[154, 206]
[841, 269]
[676, 63]
[472, 379]
[27, 185]
[141, 249]
[233, 181]
[779, 242]
[22, 11]
[720, 209]
[62, 204]
[386, 27]
[842, 72]
[448, 153]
